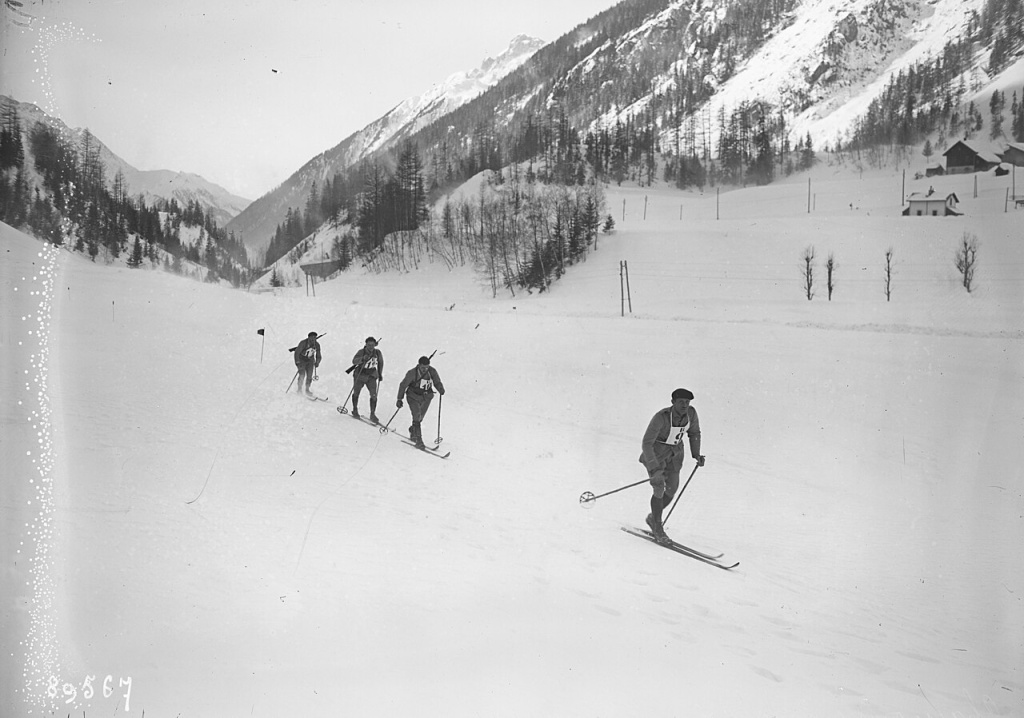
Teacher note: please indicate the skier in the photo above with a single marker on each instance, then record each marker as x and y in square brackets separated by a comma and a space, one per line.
[418, 388]
[369, 370]
[307, 359]
[663, 454]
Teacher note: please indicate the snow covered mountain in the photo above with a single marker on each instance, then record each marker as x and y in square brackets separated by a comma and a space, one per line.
[184, 187]
[151, 184]
[256, 224]
[822, 62]
[683, 68]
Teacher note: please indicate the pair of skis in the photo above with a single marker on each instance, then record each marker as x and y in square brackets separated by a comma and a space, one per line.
[431, 451]
[710, 559]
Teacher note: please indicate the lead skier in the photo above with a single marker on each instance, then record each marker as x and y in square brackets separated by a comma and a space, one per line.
[418, 387]
[663, 453]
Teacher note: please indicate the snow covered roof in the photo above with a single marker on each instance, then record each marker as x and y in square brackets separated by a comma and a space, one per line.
[984, 153]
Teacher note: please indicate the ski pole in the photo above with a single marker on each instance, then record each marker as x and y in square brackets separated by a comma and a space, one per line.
[438, 440]
[384, 429]
[291, 382]
[587, 497]
[344, 405]
[680, 494]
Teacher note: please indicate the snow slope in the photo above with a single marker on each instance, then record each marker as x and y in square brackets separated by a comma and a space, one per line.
[182, 521]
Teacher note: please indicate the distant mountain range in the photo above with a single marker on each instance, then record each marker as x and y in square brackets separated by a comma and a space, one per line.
[257, 222]
[166, 184]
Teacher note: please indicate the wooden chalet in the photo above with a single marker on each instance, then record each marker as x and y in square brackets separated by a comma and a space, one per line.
[931, 205]
[1013, 154]
[965, 156]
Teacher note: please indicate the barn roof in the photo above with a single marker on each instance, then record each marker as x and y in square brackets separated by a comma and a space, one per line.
[984, 153]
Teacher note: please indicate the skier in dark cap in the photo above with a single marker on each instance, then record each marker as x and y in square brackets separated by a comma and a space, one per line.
[663, 453]
[307, 359]
[418, 387]
[369, 370]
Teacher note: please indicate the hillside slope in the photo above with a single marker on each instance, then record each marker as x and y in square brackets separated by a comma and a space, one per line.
[238, 551]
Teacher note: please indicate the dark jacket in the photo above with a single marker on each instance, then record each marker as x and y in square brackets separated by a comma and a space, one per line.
[307, 352]
[368, 363]
[656, 453]
[420, 380]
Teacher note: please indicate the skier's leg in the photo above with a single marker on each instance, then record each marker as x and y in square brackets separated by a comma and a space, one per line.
[658, 491]
[371, 386]
[357, 386]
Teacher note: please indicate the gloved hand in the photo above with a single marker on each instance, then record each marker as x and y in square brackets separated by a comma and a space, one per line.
[399, 403]
[658, 477]
[441, 392]
[700, 460]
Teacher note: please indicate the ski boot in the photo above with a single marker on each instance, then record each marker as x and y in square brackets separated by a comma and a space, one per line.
[658, 531]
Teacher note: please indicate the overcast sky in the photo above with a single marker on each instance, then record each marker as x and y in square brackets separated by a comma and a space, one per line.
[243, 92]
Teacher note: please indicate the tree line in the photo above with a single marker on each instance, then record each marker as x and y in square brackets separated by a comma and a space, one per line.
[76, 206]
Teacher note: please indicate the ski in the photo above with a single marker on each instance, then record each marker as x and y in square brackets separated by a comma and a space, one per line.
[435, 447]
[311, 397]
[679, 548]
[364, 419]
[427, 450]
[711, 556]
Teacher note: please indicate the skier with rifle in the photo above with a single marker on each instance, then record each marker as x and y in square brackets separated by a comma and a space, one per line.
[663, 453]
[368, 364]
[418, 388]
[307, 359]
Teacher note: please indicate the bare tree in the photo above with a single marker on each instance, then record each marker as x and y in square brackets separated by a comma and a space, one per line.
[830, 268]
[808, 272]
[888, 274]
[967, 259]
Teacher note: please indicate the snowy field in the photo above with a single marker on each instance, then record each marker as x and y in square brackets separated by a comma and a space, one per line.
[219, 548]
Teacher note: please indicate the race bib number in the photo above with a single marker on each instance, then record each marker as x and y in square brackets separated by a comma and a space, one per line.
[310, 353]
[675, 434]
[426, 384]
[371, 363]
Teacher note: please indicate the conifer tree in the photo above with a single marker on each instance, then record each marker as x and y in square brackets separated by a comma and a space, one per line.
[996, 105]
[135, 260]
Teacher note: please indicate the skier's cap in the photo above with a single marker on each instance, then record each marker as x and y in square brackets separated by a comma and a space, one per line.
[370, 339]
[311, 334]
[425, 360]
[682, 394]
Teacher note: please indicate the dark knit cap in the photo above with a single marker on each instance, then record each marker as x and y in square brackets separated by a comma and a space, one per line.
[311, 334]
[682, 394]
[370, 339]
[425, 360]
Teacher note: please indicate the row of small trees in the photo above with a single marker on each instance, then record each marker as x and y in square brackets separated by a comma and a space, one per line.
[965, 260]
